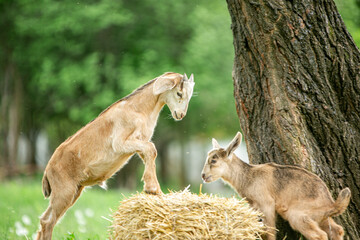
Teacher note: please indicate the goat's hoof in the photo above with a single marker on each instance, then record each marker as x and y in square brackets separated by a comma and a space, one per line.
[154, 191]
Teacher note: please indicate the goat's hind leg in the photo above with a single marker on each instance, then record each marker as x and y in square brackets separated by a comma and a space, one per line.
[306, 226]
[44, 219]
[77, 194]
[60, 201]
[334, 231]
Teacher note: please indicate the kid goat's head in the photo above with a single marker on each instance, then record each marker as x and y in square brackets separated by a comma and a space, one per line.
[218, 161]
[176, 91]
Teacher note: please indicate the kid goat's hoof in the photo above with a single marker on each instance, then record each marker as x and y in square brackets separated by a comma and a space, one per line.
[154, 191]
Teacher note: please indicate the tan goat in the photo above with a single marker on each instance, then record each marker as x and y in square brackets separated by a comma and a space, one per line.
[103, 146]
[296, 194]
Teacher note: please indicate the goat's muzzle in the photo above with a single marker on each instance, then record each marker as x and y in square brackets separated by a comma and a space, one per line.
[178, 116]
[205, 179]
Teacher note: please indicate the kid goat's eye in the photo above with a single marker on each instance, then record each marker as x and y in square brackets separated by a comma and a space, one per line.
[213, 161]
[179, 94]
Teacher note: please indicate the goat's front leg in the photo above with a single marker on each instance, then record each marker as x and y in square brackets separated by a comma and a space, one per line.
[148, 153]
[151, 184]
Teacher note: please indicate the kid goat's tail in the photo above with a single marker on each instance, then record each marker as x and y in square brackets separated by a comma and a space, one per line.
[341, 203]
[46, 186]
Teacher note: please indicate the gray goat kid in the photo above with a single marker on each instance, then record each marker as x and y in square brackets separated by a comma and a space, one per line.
[298, 195]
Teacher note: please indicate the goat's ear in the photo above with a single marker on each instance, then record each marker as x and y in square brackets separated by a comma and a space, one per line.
[234, 144]
[215, 143]
[191, 79]
[164, 83]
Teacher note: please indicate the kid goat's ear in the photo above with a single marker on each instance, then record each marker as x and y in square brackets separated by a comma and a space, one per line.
[215, 143]
[234, 144]
[191, 79]
[164, 83]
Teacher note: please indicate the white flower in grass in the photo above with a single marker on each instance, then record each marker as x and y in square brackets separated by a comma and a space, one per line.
[20, 229]
[89, 212]
[80, 217]
[26, 219]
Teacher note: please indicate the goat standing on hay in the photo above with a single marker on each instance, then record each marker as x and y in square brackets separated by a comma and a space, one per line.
[296, 194]
[103, 146]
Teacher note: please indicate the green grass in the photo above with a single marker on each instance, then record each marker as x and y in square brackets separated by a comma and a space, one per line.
[22, 202]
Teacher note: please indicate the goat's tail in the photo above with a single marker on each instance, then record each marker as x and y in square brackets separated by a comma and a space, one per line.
[341, 203]
[46, 186]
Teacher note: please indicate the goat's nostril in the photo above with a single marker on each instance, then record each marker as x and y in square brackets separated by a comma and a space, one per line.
[203, 176]
[181, 115]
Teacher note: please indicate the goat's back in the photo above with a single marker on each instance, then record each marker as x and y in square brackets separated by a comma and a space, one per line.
[294, 185]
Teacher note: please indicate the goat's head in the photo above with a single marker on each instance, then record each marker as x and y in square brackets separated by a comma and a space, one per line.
[218, 161]
[176, 91]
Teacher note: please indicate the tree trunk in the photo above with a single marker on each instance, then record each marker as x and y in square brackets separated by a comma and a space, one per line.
[297, 90]
[10, 106]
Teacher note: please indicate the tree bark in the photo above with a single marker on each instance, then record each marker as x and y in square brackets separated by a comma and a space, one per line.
[297, 90]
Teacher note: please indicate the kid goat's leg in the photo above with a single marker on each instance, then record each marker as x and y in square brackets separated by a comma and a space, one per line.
[334, 231]
[268, 209]
[306, 226]
[60, 200]
[43, 221]
[151, 184]
[148, 153]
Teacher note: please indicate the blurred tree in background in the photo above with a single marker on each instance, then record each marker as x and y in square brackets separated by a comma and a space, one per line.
[63, 62]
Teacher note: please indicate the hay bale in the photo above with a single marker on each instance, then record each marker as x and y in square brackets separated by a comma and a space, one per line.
[183, 215]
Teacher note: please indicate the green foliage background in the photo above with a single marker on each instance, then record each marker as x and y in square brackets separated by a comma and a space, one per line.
[74, 58]
[77, 57]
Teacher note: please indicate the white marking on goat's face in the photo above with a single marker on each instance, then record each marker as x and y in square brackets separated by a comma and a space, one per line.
[178, 99]
[215, 166]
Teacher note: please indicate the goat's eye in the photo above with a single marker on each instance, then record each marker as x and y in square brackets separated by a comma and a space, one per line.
[179, 94]
[213, 161]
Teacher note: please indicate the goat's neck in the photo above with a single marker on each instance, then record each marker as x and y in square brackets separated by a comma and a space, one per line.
[148, 103]
[238, 173]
